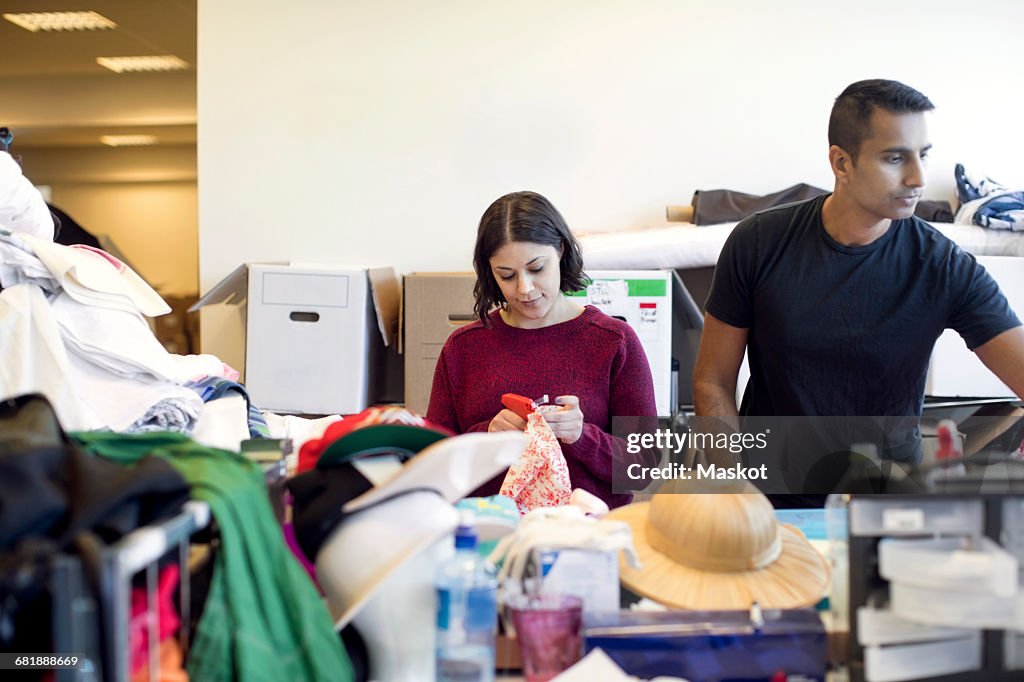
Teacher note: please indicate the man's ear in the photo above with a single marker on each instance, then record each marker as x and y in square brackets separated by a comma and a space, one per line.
[840, 160]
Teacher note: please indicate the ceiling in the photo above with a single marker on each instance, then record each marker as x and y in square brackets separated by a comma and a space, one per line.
[54, 95]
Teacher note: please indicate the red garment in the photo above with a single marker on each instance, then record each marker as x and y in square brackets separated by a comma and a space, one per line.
[380, 415]
[167, 613]
[595, 357]
[172, 667]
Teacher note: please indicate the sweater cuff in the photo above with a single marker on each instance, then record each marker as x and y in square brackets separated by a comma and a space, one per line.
[588, 442]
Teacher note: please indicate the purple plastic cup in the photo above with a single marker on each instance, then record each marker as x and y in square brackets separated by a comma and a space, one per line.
[548, 629]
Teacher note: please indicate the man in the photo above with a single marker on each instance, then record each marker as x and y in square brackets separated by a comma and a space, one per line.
[839, 299]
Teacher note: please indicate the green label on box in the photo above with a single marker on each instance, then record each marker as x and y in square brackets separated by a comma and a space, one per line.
[636, 287]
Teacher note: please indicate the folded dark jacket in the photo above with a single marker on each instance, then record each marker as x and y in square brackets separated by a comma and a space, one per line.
[713, 206]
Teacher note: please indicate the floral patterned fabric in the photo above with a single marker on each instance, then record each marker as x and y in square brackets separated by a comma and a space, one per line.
[541, 477]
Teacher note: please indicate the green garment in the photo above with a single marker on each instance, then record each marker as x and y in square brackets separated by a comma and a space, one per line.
[263, 619]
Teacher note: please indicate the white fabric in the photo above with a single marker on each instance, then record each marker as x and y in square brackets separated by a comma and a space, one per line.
[92, 278]
[597, 665]
[22, 207]
[557, 527]
[223, 423]
[684, 245]
[120, 402]
[34, 359]
[122, 342]
[298, 429]
[18, 265]
[88, 349]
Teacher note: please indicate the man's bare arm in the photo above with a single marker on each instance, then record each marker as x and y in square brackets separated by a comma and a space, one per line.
[1004, 355]
[718, 365]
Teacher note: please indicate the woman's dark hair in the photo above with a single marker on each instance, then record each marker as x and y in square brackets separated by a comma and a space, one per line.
[522, 217]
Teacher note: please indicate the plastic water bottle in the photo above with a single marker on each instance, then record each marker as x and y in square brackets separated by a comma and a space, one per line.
[467, 611]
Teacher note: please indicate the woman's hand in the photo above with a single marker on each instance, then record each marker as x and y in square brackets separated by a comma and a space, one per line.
[507, 420]
[567, 420]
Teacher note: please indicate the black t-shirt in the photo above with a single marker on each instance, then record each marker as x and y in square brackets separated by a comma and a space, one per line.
[840, 330]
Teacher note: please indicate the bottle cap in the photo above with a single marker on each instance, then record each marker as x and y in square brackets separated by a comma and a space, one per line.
[465, 532]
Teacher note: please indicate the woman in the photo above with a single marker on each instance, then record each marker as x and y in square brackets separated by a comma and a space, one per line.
[539, 342]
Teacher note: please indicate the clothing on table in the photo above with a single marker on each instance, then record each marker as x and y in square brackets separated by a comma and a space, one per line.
[70, 232]
[212, 387]
[172, 667]
[595, 357]
[22, 208]
[263, 618]
[167, 618]
[714, 206]
[59, 500]
[839, 330]
[934, 211]
[988, 203]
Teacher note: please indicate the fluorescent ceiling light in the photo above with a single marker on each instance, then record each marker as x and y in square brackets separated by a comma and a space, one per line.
[61, 21]
[128, 140]
[147, 63]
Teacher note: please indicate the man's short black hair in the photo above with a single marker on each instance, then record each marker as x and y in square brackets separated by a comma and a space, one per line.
[850, 122]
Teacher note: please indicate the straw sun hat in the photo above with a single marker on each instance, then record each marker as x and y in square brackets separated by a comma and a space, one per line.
[720, 551]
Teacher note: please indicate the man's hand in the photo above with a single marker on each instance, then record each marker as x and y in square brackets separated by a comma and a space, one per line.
[567, 421]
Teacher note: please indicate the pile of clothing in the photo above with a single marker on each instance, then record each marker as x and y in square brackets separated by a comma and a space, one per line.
[985, 202]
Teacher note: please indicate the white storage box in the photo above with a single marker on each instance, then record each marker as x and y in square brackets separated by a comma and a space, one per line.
[894, 515]
[880, 626]
[958, 564]
[314, 333]
[643, 298]
[917, 661]
[956, 609]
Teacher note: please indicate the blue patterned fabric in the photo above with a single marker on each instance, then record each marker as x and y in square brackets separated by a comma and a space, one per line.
[987, 203]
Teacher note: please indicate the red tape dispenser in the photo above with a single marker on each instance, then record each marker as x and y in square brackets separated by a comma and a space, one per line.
[522, 405]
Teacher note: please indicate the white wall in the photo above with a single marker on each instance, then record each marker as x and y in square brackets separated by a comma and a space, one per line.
[377, 133]
[152, 223]
[144, 198]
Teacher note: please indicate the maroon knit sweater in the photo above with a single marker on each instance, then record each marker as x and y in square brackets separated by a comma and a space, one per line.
[595, 357]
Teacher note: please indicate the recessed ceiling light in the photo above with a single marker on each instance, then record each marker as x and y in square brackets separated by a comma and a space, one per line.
[128, 140]
[61, 21]
[147, 63]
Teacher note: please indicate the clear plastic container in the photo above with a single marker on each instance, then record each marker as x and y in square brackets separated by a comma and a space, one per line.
[957, 564]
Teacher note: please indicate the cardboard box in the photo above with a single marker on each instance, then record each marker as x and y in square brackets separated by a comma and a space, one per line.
[315, 334]
[954, 370]
[435, 304]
